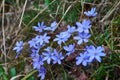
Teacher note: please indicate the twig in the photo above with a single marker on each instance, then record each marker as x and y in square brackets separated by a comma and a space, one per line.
[22, 14]
[3, 31]
[15, 77]
[1, 6]
[110, 12]
[64, 15]
[66, 12]
[28, 75]
[19, 26]
[82, 4]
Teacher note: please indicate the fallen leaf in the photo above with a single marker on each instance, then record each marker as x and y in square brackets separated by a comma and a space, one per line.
[82, 77]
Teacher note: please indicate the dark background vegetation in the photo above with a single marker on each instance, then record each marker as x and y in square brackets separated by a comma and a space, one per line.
[18, 16]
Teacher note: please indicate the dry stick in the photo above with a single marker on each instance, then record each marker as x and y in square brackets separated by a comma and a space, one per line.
[66, 12]
[58, 8]
[1, 6]
[40, 13]
[64, 8]
[3, 31]
[15, 77]
[22, 14]
[110, 12]
[82, 3]
[64, 15]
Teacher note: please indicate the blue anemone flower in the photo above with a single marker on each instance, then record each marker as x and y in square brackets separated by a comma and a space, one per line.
[40, 27]
[42, 72]
[92, 12]
[61, 38]
[18, 48]
[34, 43]
[69, 31]
[82, 37]
[48, 55]
[84, 26]
[95, 53]
[38, 62]
[83, 58]
[41, 39]
[58, 57]
[70, 49]
[35, 53]
[52, 27]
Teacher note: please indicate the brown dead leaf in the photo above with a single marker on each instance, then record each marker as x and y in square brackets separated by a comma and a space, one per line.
[62, 27]
[70, 57]
[76, 71]
[107, 50]
[82, 77]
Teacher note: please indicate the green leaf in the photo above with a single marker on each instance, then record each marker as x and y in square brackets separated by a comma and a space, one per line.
[2, 73]
[47, 2]
[29, 75]
[32, 78]
[88, 0]
[12, 72]
[5, 76]
[1, 70]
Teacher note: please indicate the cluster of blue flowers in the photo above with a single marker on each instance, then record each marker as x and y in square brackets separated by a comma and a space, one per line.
[79, 34]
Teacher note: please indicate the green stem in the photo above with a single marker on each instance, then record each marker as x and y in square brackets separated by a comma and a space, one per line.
[27, 76]
[5, 77]
[51, 73]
